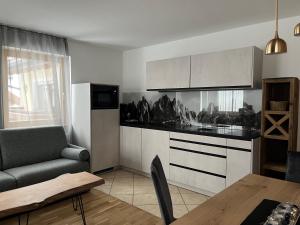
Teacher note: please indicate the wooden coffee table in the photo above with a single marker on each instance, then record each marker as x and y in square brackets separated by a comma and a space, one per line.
[27, 199]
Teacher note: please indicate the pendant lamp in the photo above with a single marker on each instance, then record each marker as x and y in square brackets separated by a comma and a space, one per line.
[297, 30]
[276, 45]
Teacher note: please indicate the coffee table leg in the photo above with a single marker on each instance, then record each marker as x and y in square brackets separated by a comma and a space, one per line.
[81, 209]
[20, 217]
[76, 202]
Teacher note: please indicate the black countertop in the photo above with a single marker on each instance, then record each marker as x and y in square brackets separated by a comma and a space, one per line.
[224, 131]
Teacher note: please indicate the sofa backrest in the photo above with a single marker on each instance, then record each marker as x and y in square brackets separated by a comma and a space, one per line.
[25, 146]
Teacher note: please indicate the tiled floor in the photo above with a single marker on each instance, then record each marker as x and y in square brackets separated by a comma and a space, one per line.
[139, 191]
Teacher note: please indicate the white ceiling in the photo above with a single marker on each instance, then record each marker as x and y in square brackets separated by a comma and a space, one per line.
[135, 23]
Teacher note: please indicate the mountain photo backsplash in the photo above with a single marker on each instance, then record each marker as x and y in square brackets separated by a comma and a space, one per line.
[232, 107]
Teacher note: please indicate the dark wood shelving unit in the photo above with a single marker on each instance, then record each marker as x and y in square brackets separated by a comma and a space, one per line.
[279, 128]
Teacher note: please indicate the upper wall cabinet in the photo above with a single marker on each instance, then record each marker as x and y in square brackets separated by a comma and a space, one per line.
[227, 69]
[168, 73]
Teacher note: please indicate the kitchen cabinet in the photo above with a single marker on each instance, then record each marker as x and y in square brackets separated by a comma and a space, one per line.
[239, 160]
[235, 68]
[238, 165]
[232, 68]
[131, 147]
[198, 162]
[168, 73]
[155, 142]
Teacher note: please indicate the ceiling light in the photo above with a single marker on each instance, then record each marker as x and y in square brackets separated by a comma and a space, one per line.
[276, 45]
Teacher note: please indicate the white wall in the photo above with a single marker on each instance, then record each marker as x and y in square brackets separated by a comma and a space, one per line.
[134, 68]
[95, 64]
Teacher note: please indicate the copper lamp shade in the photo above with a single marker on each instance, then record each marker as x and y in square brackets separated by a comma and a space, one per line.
[276, 45]
[297, 30]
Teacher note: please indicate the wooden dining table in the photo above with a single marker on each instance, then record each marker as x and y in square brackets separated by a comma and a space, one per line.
[233, 205]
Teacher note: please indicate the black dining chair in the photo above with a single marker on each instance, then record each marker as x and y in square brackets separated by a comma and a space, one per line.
[162, 191]
[293, 167]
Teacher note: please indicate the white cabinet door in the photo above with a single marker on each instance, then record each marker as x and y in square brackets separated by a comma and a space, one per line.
[131, 147]
[238, 165]
[168, 73]
[155, 142]
[226, 69]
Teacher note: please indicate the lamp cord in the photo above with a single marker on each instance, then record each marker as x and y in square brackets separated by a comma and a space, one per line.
[276, 13]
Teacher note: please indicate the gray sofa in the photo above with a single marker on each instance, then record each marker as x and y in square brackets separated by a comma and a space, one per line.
[33, 155]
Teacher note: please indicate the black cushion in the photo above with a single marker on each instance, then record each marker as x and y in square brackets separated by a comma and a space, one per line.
[162, 191]
[39, 172]
[293, 170]
[7, 182]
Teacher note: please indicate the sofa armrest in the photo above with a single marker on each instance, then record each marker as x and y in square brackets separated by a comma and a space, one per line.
[75, 152]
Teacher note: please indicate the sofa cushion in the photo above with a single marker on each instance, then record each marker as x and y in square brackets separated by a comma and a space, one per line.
[39, 172]
[7, 182]
[21, 147]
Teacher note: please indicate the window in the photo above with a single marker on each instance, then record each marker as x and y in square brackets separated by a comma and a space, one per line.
[33, 88]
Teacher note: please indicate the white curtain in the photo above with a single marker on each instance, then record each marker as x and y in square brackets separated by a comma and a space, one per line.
[35, 79]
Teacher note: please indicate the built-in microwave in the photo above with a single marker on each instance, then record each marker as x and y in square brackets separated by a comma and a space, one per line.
[104, 96]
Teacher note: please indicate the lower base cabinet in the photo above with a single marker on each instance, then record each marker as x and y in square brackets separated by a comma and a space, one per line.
[131, 147]
[155, 142]
[197, 162]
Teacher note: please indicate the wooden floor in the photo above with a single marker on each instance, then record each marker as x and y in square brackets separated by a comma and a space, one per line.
[100, 208]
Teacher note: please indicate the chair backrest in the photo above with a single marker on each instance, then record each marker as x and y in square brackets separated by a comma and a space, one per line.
[162, 191]
[24, 146]
[293, 167]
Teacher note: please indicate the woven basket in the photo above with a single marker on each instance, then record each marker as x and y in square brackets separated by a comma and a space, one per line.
[279, 105]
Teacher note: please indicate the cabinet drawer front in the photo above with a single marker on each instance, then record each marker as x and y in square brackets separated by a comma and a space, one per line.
[198, 180]
[247, 145]
[205, 163]
[199, 147]
[199, 138]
